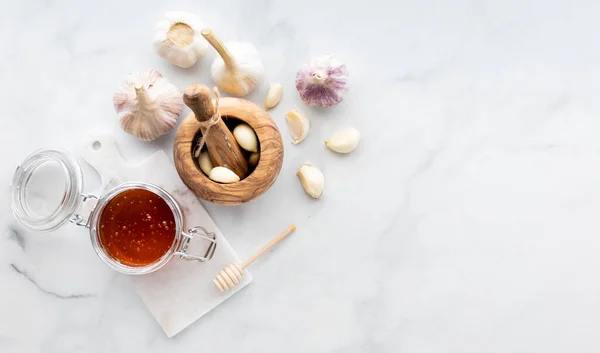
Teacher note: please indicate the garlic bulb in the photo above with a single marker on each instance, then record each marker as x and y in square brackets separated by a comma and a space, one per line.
[322, 81]
[223, 175]
[178, 39]
[205, 163]
[246, 137]
[148, 105]
[253, 160]
[239, 69]
[312, 180]
[273, 95]
[298, 125]
[344, 141]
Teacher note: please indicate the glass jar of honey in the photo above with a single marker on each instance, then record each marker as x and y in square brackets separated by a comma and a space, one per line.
[135, 227]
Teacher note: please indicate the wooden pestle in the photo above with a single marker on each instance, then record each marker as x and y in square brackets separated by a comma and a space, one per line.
[222, 147]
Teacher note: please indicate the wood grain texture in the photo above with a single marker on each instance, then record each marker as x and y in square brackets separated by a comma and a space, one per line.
[254, 185]
[222, 147]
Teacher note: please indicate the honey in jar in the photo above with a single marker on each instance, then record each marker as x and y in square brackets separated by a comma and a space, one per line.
[137, 227]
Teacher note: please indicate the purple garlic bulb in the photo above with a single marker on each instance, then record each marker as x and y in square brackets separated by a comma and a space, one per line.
[322, 81]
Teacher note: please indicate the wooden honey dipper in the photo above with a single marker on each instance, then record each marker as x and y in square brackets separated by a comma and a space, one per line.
[222, 147]
[231, 275]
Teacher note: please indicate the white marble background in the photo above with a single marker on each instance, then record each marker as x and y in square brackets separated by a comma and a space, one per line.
[465, 222]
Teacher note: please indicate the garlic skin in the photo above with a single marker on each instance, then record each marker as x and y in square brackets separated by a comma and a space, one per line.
[312, 180]
[205, 163]
[322, 81]
[178, 39]
[238, 69]
[223, 175]
[344, 141]
[246, 137]
[148, 105]
[273, 95]
[298, 124]
[254, 158]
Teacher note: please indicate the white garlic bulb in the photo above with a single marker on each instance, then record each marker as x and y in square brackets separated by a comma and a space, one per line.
[312, 180]
[223, 175]
[239, 69]
[322, 81]
[205, 163]
[148, 105]
[246, 137]
[298, 124]
[273, 95]
[344, 141]
[178, 39]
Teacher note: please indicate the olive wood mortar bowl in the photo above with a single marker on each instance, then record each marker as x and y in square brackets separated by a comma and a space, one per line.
[247, 189]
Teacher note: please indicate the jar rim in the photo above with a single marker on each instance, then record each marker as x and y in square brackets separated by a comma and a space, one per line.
[71, 200]
[95, 234]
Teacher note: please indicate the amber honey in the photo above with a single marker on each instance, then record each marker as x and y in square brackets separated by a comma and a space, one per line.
[137, 227]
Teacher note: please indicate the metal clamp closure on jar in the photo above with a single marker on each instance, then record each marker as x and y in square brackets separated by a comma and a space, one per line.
[191, 234]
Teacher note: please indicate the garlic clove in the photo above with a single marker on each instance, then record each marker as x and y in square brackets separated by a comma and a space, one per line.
[178, 38]
[312, 180]
[298, 124]
[273, 95]
[344, 141]
[322, 81]
[147, 104]
[246, 137]
[205, 163]
[223, 175]
[238, 69]
[254, 158]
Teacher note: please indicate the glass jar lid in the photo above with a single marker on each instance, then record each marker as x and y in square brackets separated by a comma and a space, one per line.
[46, 190]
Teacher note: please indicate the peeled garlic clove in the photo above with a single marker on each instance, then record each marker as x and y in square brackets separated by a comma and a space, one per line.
[205, 163]
[273, 95]
[178, 38]
[322, 81]
[312, 180]
[246, 137]
[223, 175]
[148, 105]
[238, 69]
[344, 141]
[298, 125]
[253, 160]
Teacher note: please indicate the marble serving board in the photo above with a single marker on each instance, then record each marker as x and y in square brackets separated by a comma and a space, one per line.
[182, 291]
